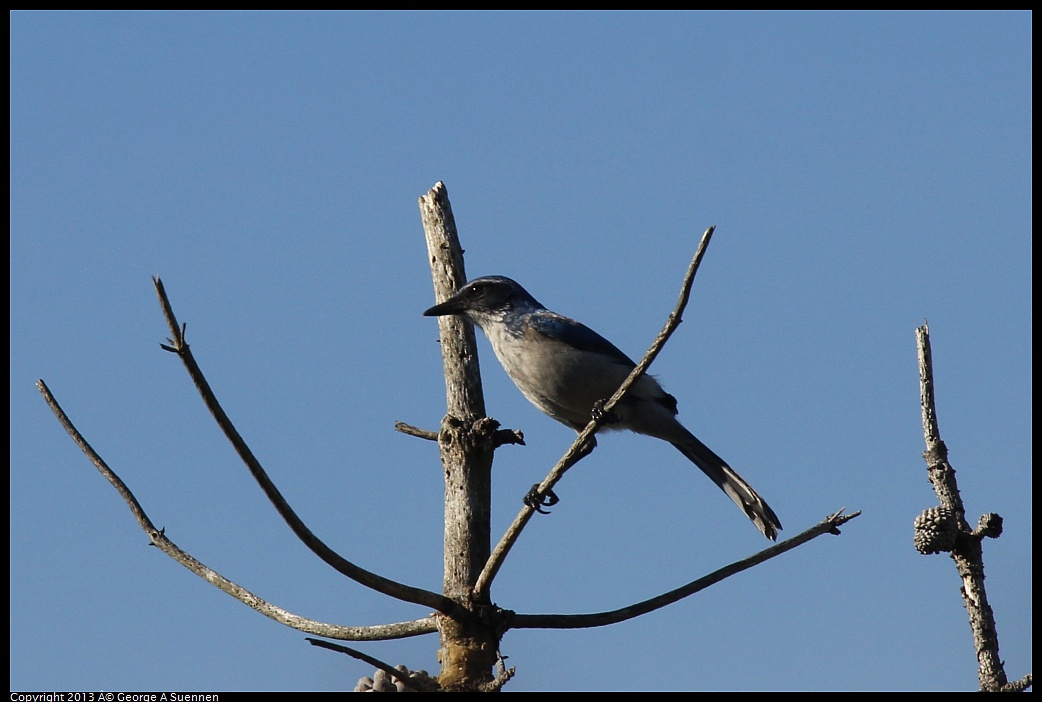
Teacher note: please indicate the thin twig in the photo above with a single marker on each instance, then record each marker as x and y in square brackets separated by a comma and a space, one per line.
[371, 580]
[502, 437]
[578, 621]
[1019, 685]
[583, 443]
[503, 676]
[164, 544]
[416, 431]
[375, 662]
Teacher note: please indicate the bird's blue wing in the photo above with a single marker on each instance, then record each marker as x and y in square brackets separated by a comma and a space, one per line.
[575, 334]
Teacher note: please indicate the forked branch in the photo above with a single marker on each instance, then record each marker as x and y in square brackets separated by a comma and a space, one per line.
[160, 541]
[371, 580]
[583, 443]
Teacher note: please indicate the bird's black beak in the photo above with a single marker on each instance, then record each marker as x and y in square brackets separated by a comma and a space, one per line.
[450, 306]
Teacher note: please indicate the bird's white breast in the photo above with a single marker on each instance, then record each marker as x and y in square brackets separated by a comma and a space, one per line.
[555, 377]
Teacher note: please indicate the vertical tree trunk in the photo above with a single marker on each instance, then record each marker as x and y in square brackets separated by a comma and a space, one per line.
[468, 648]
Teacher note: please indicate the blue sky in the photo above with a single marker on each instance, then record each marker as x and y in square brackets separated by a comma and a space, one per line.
[865, 172]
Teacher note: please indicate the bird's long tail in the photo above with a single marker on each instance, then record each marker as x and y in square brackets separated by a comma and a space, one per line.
[731, 483]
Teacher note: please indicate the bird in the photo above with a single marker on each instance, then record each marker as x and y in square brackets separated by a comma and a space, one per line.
[567, 369]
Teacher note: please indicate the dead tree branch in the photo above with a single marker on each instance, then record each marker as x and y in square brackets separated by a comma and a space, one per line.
[945, 528]
[416, 431]
[467, 444]
[402, 676]
[829, 525]
[159, 540]
[407, 593]
[584, 443]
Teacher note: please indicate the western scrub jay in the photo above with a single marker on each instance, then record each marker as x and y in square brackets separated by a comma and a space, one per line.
[564, 368]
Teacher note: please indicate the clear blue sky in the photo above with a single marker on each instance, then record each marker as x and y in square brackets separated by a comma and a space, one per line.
[865, 172]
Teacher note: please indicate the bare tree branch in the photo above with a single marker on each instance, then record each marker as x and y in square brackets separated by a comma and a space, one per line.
[1018, 685]
[940, 472]
[408, 682]
[584, 442]
[371, 580]
[830, 525]
[967, 550]
[501, 437]
[503, 676]
[416, 431]
[160, 541]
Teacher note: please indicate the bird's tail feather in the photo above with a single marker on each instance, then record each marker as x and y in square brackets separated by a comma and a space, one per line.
[743, 494]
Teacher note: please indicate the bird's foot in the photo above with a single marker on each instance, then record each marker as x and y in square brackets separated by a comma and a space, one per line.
[537, 500]
[600, 415]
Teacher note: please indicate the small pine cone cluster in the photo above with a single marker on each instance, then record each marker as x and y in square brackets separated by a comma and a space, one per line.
[382, 682]
[935, 531]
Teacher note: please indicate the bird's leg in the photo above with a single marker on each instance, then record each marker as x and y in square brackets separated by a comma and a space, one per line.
[537, 500]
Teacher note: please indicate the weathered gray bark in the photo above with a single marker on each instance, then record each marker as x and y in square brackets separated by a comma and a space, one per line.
[966, 549]
[469, 649]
